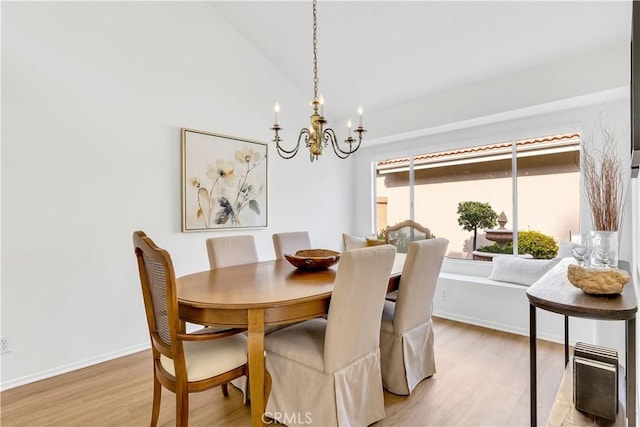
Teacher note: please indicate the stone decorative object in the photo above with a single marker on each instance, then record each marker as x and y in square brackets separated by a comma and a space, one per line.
[313, 259]
[501, 235]
[502, 219]
[598, 281]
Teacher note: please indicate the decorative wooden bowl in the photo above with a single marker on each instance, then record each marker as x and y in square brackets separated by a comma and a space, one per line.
[313, 259]
[598, 281]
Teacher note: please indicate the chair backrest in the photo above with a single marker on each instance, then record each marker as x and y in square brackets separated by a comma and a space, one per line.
[405, 232]
[157, 278]
[289, 243]
[355, 312]
[418, 283]
[231, 250]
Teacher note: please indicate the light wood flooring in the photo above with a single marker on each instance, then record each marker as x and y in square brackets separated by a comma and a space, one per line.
[482, 380]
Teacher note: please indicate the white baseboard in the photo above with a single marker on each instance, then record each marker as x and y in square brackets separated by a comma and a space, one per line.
[500, 327]
[27, 379]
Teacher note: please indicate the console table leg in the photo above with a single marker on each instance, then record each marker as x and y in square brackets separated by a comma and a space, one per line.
[630, 331]
[533, 365]
[566, 340]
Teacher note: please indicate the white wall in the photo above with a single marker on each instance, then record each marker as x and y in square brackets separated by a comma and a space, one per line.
[94, 96]
[506, 308]
[574, 76]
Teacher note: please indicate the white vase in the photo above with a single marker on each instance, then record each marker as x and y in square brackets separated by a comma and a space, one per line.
[605, 249]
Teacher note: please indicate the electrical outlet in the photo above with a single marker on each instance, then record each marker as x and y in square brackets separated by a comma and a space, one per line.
[5, 345]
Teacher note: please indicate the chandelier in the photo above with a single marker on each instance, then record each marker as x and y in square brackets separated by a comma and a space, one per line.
[315, 137]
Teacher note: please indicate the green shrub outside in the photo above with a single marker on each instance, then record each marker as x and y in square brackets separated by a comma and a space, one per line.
[539, 245]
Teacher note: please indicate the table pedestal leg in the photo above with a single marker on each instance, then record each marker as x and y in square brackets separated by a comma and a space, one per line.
[256, 365]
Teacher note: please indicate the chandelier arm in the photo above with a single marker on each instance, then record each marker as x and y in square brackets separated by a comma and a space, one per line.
[330, 135]
[360, 130]
[352, 149]
[284, 150]
[289, 154]
[307, 136]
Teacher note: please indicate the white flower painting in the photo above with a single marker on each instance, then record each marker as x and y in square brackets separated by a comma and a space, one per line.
[224, 182]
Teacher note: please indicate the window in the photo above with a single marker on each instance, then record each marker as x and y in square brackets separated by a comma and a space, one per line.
[544, 197]
[392, 198]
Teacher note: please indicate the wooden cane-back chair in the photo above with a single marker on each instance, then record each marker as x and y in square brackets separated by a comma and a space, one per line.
[182, 363]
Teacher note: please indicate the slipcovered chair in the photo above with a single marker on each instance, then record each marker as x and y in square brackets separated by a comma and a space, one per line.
[406, 333]
[401, 235]
[231, 250]
[182, 363]
[405, 232]
[353, 242]
[328, 370]
[356, 242]
[290, 243]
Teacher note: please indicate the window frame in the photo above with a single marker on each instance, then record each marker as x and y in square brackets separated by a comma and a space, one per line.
[412, 153]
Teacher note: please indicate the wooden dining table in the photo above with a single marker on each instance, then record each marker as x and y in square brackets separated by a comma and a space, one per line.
[257, 295]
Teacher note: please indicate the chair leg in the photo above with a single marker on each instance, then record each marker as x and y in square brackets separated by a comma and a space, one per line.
[182, 406]
[225, 389]
[157, 394]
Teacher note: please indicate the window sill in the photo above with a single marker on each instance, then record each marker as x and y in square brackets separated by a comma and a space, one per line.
[469, 278]
[467, 267]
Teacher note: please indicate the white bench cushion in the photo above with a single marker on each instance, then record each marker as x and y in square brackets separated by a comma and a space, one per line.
[518, 270]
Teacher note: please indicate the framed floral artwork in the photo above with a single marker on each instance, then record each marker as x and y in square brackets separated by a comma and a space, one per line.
[224, 182]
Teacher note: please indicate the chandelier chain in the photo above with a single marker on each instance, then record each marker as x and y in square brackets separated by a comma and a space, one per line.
[315, 51]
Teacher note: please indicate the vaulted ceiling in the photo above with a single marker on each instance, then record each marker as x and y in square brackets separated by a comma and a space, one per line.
[381, 53]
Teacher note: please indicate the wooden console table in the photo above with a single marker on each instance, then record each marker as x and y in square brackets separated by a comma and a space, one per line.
[553, 292]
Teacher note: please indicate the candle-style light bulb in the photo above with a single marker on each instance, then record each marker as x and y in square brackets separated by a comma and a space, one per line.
[349, 127]
[360, 112]
[321, 105]
[276, 109]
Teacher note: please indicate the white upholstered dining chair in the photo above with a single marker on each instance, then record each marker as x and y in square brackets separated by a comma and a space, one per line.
[228, 251]
[406, 334]
[289, 243]
[231, 250]
[328, 370]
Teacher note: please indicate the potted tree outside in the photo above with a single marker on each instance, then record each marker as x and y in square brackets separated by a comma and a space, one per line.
[476, 215]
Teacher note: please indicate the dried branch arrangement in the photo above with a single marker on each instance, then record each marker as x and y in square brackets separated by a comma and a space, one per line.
[604, 182]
